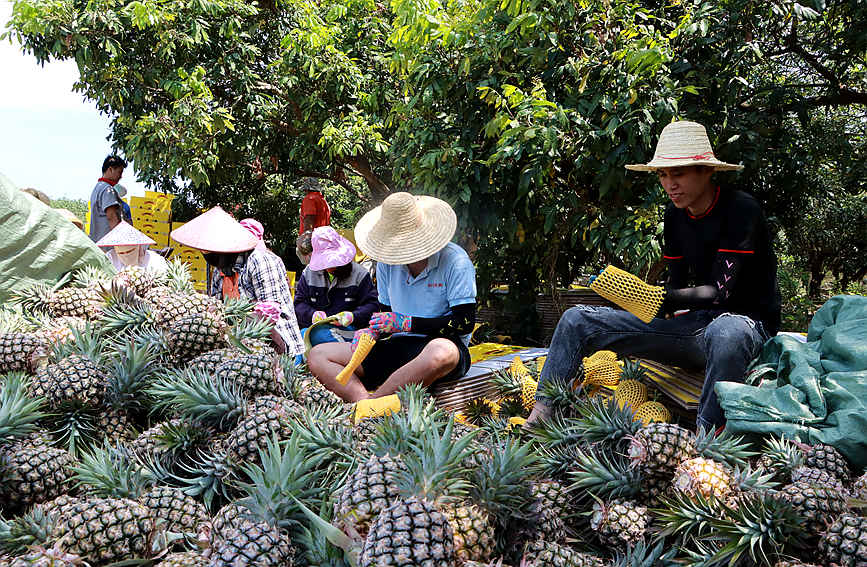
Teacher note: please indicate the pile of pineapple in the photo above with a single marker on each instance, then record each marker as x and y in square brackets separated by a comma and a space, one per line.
[142, 423]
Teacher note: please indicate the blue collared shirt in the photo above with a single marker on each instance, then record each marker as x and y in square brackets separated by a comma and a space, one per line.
[448, 280]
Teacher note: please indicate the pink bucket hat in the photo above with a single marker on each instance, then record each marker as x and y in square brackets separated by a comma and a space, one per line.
[124, 234]
[330, 250]
[215, 231]
[255, 227]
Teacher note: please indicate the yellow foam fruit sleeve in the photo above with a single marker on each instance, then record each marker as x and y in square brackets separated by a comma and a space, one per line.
[629, 292]
[376, 407]
[365, 344]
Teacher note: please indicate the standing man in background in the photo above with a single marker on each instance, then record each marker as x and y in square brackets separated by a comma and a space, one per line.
[105, 207]
[315, 211]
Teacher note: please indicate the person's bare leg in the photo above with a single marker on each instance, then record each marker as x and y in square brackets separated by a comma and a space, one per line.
[540, 412]
[326, 360]
[438, 358]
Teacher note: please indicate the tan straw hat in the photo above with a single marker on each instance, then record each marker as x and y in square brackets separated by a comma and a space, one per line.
[684, 143]
[125, 234]
[215, 231]
[71, 216]
[406, 228]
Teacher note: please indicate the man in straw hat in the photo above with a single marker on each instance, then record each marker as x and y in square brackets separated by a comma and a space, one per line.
[129, 247]
[721, 269]
[241, 267]
[427, 296]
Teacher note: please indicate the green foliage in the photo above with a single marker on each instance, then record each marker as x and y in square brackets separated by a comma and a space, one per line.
[77, 206]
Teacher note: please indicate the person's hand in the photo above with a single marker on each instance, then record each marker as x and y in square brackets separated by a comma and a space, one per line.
[358, 334]
[345, 318]
[318, 316]
[593, 278]
[390, 322]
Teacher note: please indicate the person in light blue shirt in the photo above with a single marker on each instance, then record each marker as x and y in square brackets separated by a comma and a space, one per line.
[427, 296]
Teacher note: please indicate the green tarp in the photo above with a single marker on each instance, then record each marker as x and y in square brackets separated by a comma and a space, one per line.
[38, 244]
[815, 391]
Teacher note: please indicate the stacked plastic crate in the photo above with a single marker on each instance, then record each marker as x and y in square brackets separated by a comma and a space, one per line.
[152, 214]
[194, 259]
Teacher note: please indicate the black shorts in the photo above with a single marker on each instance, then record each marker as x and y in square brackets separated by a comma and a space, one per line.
[389, 354]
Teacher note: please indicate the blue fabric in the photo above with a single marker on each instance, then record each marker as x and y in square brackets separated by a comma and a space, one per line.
[722, 343]
[448, 280]
[326, 334]
[127, 211]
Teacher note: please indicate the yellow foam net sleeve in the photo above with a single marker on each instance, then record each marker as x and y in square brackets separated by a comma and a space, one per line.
[365, 343]
[629, 292]
[376, 407]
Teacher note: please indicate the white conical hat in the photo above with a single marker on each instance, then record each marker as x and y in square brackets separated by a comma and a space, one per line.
[683, 143]
[215, 231]
[406, 228]
[124, 234]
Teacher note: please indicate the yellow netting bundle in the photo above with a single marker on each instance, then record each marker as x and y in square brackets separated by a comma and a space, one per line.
[365, 343]
[601, 369]
[629, 292]
[650, 412]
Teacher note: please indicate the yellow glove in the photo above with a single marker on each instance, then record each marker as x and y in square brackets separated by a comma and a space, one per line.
[376, 407]
[629, 292]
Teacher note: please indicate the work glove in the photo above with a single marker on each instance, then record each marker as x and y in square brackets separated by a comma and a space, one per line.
[344, 318]
[267, 311]
[318, 316]
[359, 333]
[390, 322]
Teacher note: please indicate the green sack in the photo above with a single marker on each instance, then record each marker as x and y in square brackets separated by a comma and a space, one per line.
[38, 244]
[816, 391]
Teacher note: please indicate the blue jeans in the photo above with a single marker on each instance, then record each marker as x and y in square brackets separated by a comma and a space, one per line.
[720, 342]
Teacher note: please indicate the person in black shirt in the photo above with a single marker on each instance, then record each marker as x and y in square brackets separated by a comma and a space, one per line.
[722, 300]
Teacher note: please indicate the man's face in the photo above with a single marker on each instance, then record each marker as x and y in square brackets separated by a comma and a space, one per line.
[685, 186]
[113, 173]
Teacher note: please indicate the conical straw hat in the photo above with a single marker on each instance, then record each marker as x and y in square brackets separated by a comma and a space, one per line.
[684, 143]
[406, 228]
[125, 234]
[215, 231]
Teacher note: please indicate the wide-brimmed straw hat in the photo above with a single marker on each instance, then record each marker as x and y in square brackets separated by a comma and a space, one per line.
[215, 231]
[330, 250]
[683, 143]
[125, 234]
[406, 228]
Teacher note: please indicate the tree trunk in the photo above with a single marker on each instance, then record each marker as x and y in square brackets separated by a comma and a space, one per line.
[361, 166]
[817, 273]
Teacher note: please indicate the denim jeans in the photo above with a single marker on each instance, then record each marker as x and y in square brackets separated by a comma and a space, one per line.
[721, 343]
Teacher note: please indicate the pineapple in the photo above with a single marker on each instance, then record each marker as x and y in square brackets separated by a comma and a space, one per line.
[249, 436]
[845, 542]
[473, 532]
[652, 412]
[620, 522]
[179, 511]
[630, 393]
[367, 492]
[194, 334]
[780, 457]
[75, 379]
[414, 530]
[184, 559]
[20, 352]
[703, 476]
[826, 458]
[477, 410]
[254, 544]
[818, 505]
[30, 474]
[859, 487]
[209, 361]
[255, 374]
[170, 307]
[549, 554]
[817, 477]
[75, 302]
[43, 557]
[136, 278]
[105, 530]
[659, 447]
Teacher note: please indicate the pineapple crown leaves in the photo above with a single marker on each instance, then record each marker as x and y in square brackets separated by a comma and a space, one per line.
[285, 477]
[511, 407]
[507, 383]
[209, 477]
[249, 328]
[604, 421]
[559, 396]
[499, 484]
[689, 517]
[236, 310]
[18, 412]
[432, 467]
[132, 370]
[632, 370]
[178, 276]
[124, 313]
[782, 453]
[747, 478]
[73, 426]
[723, 448]
[89, 276]
[328, 444]
[293, 376]
[604, 476]
[192, 393]
[32, 299]
[109, 472]
[555, 432]
[641, 554]
[418, 414]
[19, 534]
[85, 342]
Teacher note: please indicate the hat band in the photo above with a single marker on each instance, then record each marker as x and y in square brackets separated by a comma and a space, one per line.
[705, 155]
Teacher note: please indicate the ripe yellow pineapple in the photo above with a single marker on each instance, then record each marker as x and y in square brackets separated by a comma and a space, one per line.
[705, 477]
[652, 412]
[630, 393]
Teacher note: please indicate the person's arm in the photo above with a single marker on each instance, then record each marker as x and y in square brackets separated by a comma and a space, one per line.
[112, 213]
[368, 302]
[672, 253]
[308, 213]
[459, 322]
[303, 309]
[268, 276]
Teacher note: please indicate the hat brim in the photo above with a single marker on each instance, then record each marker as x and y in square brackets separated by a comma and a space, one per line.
[658, 164]
[411, 244]
[215, 231]
[331, 258]
[125, 234]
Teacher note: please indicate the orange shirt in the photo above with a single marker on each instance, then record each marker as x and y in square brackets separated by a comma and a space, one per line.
[315, 204]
